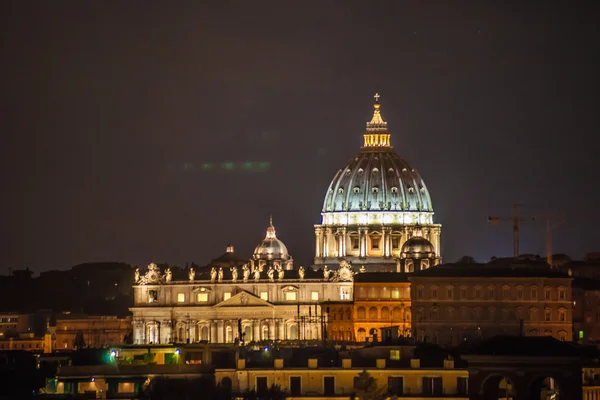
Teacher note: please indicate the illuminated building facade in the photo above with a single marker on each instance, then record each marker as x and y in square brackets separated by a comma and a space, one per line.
[261, 301]
[374, 205]
[94, 331]
[456, 303]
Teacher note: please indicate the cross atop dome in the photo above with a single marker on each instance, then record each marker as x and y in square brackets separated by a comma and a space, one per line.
[377, 135]
[271, 229]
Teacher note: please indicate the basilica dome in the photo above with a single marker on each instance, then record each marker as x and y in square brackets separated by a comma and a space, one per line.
[271, 248]
[377, 179]
[417, 247]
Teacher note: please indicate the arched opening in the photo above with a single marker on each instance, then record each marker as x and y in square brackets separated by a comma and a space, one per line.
[265, 332]
[204, 333]
[226, 386]
[498, 387]
[228, 335]
[372, 313]
[248, 334]
[361, 313]
[544, 388]
[385, 314]
[362, 335]
[153, 334]
[293, 332]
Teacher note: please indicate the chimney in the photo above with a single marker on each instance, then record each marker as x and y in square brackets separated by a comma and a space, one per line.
[346, 363]
[312, 363]
[278, 363]
[380, 363]
[415, 363]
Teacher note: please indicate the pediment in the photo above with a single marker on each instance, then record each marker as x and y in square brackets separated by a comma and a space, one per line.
[244, 299]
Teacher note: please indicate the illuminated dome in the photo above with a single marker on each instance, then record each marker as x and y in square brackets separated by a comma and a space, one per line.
[377, 179]
[271, 248]
[417, 247]
[373, 206]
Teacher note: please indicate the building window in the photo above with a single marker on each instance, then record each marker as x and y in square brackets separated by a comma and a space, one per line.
[264, 296]
[491, 293]
[462, 386]
[180, 297]
[395, 294]
[547, 315]
[296, 386]
[419, 293]
[344, 293]
[434, 293]
[329, 386]
[152, 296]
[450, 294]
[463, 293]
[395, 242]
[561, 316]
[202, 297]
[477, 293]
[505, 294]
[520, 294]
[533, 314]
[547, 293]
[354, 243]
[261, 385]
[375, 243]
[433, 386]
[396, 385]
[562, 294]
[534, 294]
[314, 296]
[394, 355]
[290, 296]
[226, 296]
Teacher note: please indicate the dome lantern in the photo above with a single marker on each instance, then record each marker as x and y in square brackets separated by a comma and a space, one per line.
[377, 136]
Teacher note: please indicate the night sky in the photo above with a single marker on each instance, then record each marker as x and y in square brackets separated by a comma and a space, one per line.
[143, 131]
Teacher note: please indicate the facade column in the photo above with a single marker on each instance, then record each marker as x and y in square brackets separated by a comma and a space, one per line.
[138, 332]
[387, 243]
[192, 330]
[318, 242]
[281, 329]
[213, 332]
[272, 331]
[220, 327]
[256, 324]
[165, 331]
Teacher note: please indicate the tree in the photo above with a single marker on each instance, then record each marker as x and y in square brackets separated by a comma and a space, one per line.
[466, 260]
[366, 388]
[79, 342]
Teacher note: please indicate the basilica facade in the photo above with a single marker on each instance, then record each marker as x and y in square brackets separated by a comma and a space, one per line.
[377, 217]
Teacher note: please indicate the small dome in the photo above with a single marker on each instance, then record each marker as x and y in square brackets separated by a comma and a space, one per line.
[418, 247]
[271, 248]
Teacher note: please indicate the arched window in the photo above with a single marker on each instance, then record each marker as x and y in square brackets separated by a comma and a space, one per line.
[265, 332]
[228, 335]
[204, 333]
[361, 313]
[433, 314]
[293, 332]
[450, 313]
[385, 314]
[362, 335]
[396, 314]
[372, 313]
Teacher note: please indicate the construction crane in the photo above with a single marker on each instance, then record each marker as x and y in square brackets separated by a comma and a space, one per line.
[517, 220]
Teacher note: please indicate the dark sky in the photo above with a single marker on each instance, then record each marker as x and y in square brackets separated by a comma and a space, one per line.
[112, 114]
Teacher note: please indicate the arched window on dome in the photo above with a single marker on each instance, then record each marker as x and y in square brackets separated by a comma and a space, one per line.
[341, 190]
[375, 171]
[375, 190]
[394, 190]
[356, 190]
[411, 189]
[360, 171]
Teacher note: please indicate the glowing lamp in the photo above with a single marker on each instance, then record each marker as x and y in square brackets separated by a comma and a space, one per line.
[177, 351]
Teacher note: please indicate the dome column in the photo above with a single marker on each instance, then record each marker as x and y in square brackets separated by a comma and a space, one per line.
[387, 241]
[319, 241]
[329, 247]
[363, 241]
[341, 242]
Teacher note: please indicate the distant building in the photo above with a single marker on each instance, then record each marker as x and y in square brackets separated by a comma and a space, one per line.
[455, 303]
[75, 330]
[586, 310]
[381, 300]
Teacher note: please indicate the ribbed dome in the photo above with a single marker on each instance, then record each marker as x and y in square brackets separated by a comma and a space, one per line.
[377, 180]
[417, 247]
[271, 248]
